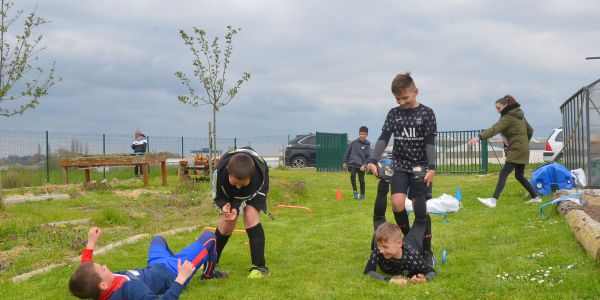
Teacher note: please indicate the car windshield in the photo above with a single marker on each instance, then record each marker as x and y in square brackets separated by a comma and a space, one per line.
[303, 140]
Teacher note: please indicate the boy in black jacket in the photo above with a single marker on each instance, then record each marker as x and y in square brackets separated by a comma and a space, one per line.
[241, 182]
[397, 256]
[356, 160]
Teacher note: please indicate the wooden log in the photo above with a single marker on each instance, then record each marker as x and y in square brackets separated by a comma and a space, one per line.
[145, 172]
[163, 168]
[586, 229]
[37, 198]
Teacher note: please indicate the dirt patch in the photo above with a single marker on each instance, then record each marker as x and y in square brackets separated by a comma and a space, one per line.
[592, 208]
[9, 255]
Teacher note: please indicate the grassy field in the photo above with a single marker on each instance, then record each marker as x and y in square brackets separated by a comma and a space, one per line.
[504, 253]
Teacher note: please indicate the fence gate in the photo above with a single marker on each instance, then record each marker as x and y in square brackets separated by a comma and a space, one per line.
[331, 148]
[455, 156]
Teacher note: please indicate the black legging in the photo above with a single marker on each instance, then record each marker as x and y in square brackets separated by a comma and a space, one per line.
[519, 170]
[361, 179]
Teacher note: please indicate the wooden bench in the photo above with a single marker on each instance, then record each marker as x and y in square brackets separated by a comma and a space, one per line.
[87, 162]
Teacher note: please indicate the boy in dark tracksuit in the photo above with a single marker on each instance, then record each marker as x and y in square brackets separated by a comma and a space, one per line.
[356, 158]
[396, 256]
[241, 181]
[164, 277]
[414, 127]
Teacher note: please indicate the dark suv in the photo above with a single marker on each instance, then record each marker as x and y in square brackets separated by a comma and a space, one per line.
[301, 151]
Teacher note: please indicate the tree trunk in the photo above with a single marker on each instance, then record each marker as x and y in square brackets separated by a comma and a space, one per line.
[586, 229]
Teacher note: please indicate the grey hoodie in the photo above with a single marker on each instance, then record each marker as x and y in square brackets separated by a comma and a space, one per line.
[358, 152]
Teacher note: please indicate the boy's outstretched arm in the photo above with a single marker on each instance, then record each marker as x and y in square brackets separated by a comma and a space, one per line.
[371, 268]
[93, 237]
[380, 145]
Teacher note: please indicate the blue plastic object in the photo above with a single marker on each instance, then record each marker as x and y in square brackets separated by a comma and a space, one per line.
[550, 176]
[444, 255]
[458, 195]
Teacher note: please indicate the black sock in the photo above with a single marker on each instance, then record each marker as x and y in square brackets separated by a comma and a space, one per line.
[221, 241]
[427, 236]
[256, 236]
[402, 221]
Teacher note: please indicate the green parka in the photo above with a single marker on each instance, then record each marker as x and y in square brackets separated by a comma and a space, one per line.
[514, 127]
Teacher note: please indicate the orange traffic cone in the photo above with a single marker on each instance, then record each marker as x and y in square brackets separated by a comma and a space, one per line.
[338, 195]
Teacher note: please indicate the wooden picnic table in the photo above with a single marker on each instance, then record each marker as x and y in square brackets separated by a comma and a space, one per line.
[87, 162]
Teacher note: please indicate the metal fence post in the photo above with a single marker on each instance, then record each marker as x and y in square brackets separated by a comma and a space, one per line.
[182, 147]
[234, 143]
[484, 156]
[47, 158]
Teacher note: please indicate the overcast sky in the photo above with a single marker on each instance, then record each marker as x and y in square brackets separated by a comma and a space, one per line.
[315, 65]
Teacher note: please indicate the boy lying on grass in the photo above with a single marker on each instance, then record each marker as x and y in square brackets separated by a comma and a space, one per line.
[395, 256]
[165, 274]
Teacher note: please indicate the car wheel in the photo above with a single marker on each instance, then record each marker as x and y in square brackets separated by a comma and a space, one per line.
[298, 162]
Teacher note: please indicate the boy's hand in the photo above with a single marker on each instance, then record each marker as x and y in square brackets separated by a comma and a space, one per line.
[399, 281]
[373, 169]
[93, 237]
[362, 168]
[429, 177]
[184, 271]
[418, 278]
[229, 213]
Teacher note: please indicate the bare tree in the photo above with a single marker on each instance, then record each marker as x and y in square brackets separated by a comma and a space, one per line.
[210, 68]
[21, 83]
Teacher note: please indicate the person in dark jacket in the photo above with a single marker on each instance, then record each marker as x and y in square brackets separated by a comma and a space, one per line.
[516, 132]
[139, 145]
[241, 182]
[164, 277]
[355, 160]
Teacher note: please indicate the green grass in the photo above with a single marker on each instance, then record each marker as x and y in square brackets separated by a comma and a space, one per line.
[318, 257]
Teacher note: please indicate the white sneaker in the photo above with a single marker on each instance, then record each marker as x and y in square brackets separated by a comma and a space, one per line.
[534, 200]
[489, 202]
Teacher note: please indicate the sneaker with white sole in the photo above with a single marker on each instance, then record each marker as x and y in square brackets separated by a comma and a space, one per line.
[489, 202]
[533, 200]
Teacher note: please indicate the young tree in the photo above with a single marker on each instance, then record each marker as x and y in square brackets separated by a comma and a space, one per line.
[210, 68]
[21, 83]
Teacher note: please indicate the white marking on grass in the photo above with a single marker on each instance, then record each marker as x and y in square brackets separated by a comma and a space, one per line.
[14, 200]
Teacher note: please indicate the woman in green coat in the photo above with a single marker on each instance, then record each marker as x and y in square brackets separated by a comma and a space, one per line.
[516, 133]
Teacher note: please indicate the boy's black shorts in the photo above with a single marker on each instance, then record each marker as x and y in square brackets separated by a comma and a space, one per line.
[259, 202]
[402, 181]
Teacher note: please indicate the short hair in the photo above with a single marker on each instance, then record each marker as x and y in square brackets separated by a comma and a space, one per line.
[507, 100]
[241, 166]
[388, 231]
[84, 283]
[402, 82]
[364, 129]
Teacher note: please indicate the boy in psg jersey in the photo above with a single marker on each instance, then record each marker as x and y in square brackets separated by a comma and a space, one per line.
[414, 128]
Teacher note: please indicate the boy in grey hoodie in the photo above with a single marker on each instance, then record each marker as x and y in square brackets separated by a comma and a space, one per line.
[356, 160]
